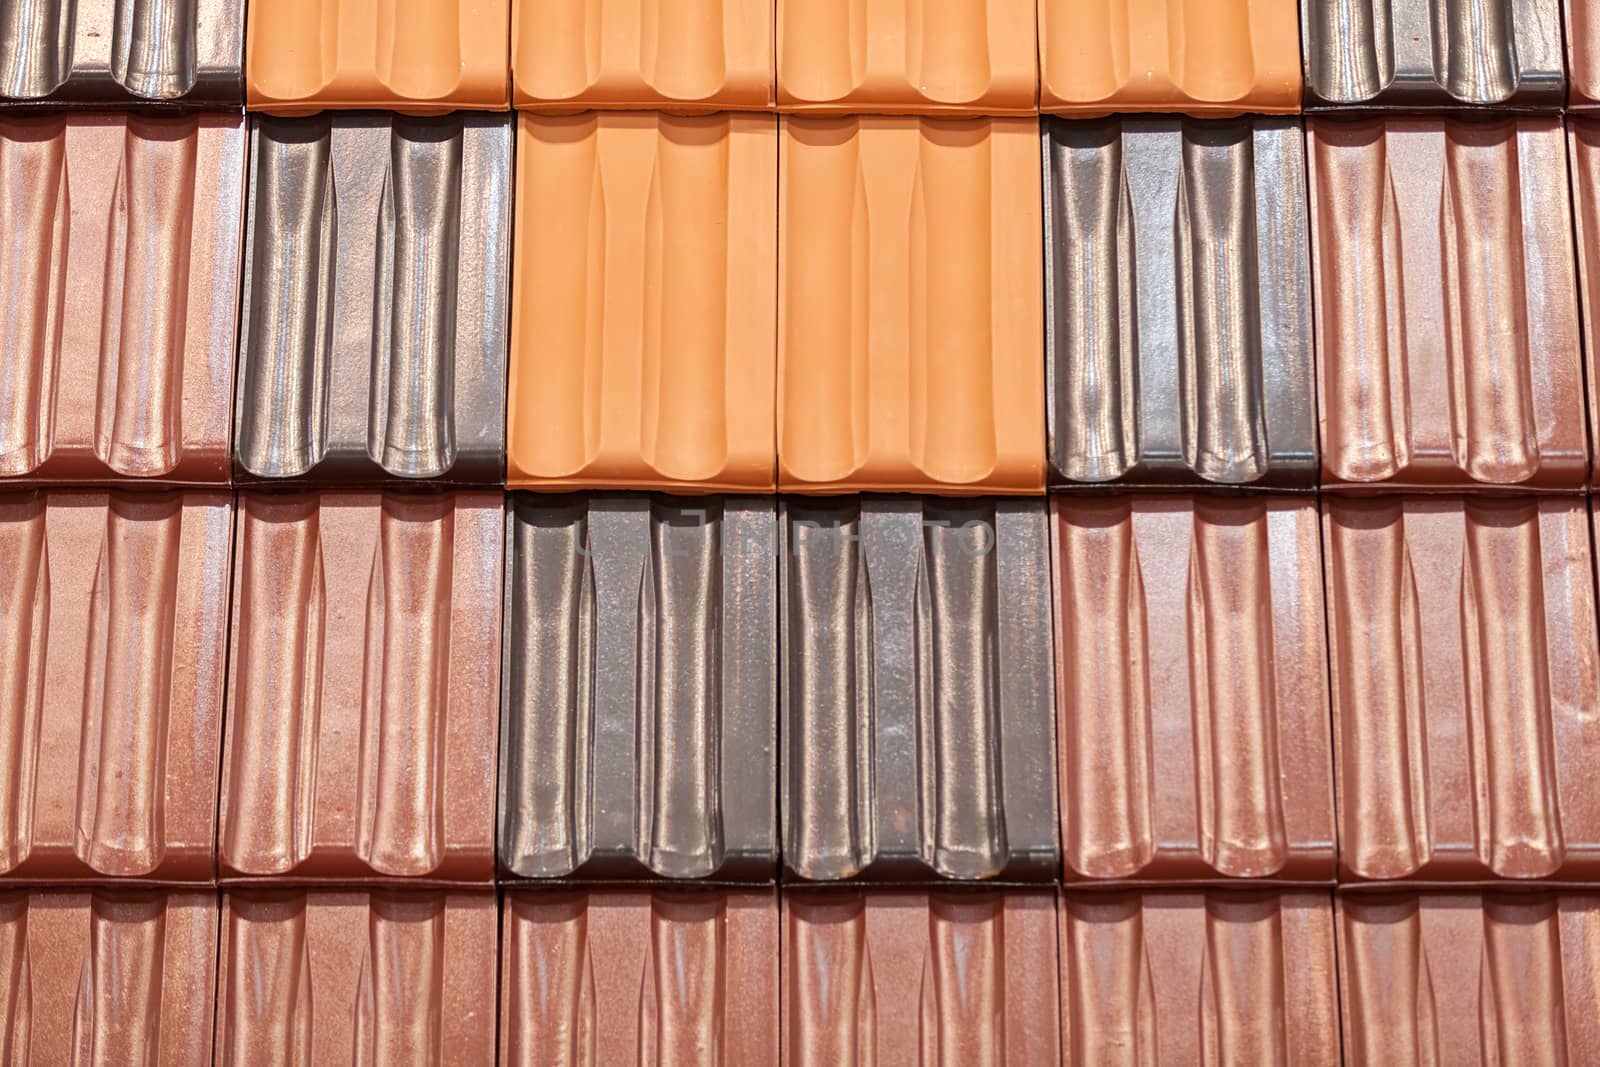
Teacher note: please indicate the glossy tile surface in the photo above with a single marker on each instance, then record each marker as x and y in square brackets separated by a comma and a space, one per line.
[1447, 321]
[113, 621]
[1202, 57]
[635, 976]
[910, 340]
[1469, 978]
[1583, 142]
[121, 275]
[356, 978]
[362, 687]
[1199, 977]
[642, 334]
[107, 977]
[122, 52]
[1583, 53]
[900, 978]
[1444, 53]
[1178, 303]
[922, 57]
[415, 56]
[917, 690]
[582, 54]
[373, 338]
[1193, 698]
[640, 688]
[1466, 687]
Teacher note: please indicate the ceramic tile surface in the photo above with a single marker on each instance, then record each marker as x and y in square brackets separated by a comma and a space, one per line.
[928, 56]
[1203, 57]
[363, 695]
[122, 53]
[415, 56]
[644, 318]
[910, 327]
[122, 283]
[640, 688]
[1583, 143]
[1193, 697]
[1446, 304]
[1178, 303]
[373, 336]
[917, 690]
[113, 626]
[1466, 686]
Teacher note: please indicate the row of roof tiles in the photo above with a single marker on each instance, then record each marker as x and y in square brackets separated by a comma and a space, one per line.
[734, 303]
[892, 977]
[927, 56]
[1122, 689]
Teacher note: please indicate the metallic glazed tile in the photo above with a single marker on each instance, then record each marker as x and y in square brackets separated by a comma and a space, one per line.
[122, 283]
[113, 626]
[1192, 689]
[1583, 54]
[1442, 53]
[1199, 977]
[910, 325]
[1451, 978]
[1178, 296]
[108, 977]
[917, 717]
[669, 976]
[927, 57]
[373, 342]
[363, 688]
[643, 338]
[590, 54]
[639, 706]
[1446, 306]
[122, 52]
[1466, 688]
[900, 978]
[1204, 57]
[413, 56]
[357, 978]
[1583, 141]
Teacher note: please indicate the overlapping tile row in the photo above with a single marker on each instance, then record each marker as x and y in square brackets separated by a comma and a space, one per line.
[1192, 693]
[639, 709]
[373, 336]
[916, 690]
[70, 53]
[121, 275]
[1178, 303]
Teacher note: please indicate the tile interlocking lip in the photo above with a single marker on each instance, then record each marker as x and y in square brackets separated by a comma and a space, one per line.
[572, 54]
[1193, 696]
[113, 629]
[1469, 978]
[918, 725]
[363, 688]
[413, 56]
[910, 329]
[1439, 54]
[639, 976]
[122, 275]
[373, 337]
[348, 977]
[929, 56]
[643, 331]
[904, 977]
[1466, 688]
[107, 977]
[1583, 139]
[1199, 977]
[1178, 298]
[1204, 57]
[122, 52]
[1583, 54]
[1446, 307]
[639, 707]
